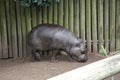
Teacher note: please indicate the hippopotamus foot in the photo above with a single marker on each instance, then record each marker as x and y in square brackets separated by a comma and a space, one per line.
[54, 56]
[70, 58]
[36, 55]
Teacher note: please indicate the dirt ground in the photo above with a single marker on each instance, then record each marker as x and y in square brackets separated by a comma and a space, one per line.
[25, 69]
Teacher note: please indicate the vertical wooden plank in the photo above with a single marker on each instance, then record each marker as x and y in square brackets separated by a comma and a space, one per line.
[13, 27]
[117, 24]
[66, 13]
[60, 19]
[100, 22]
[106, 24]
[23, 24]
[39, 15]
[82, 19]
[94, 26]
[33, 15]
[55, 20]
[88, 24]
[112, 25]
[76, 18]
[10, 54]
[50, 14]
[0, 29]
[28, 19]
[19, 32]
[45, 14]
[0, 41]
[71, 14]
[0, 44]
[4, 31]
[28, 27]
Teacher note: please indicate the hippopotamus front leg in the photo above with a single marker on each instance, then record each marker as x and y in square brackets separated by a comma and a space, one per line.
[36, 55]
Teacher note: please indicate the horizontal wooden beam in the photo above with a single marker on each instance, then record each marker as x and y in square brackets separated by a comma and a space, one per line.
[95, 71]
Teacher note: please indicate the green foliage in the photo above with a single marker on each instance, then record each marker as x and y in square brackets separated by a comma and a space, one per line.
[103, 51]
[37, 3]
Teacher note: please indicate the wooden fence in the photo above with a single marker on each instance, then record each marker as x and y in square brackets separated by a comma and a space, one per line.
[95, 21]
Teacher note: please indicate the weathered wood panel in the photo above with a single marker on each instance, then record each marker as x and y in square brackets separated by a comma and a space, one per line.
[7, 3]
[55, 13]
[66, 12]
[100, 22]
[13, 28]
[45, 16]
[76, 18]
[19, 32]
[88, 24]
[28, 27]
[71, 14]
[60, 13]
[106, 24]
[4, 31]
[118, 25]
[50, 14]
[33, 17]
[94, 26]
[39, 15]
[112, 25]
[82, 19]
[23, 29]
[0, 30]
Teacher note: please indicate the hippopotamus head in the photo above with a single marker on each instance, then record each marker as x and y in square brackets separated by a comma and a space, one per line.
[78, 51]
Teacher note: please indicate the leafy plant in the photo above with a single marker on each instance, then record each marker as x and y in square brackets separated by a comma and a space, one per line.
[37, 3]
[103, 51]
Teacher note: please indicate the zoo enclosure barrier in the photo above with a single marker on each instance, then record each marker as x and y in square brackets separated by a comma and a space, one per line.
[95, 21]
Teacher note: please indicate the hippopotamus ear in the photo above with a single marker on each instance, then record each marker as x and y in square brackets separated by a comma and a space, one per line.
[82, 43]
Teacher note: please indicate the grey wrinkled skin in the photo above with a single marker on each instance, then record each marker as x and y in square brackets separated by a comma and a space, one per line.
[47, 37]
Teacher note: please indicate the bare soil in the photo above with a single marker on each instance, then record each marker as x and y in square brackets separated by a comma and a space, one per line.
[25, 69]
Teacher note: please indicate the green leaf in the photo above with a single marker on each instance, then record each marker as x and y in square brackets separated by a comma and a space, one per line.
[36, 3]
[103, 51]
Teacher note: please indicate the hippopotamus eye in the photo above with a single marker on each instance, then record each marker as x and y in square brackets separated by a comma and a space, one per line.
[77, 45]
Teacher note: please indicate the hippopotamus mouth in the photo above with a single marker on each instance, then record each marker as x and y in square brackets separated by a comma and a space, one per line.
[75, 57]
[81, 58]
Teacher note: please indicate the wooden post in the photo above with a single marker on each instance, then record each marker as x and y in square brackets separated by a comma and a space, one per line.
[76, 18]
[82, 19]
[28, 27]
[106, 23]
[88, 24]
[3, 28]
[118, 25]
[60, 8]
[19, 32]
[66, 12]
[71, 13]
[112, 25]
[39, 15]
[34, 18]
[94, 26]
[13, 29]
[100, 22]
[45, 16]
[95, 71]
[50, 14]
[55, 12]
[9, 28]
[23, 24]
[0, 30]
